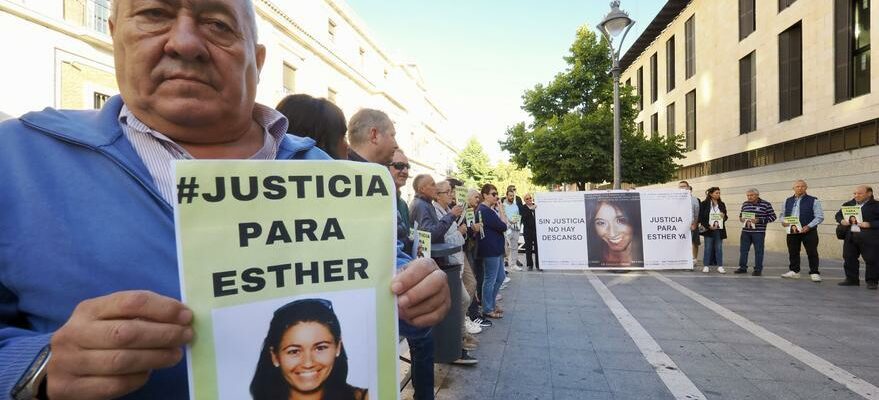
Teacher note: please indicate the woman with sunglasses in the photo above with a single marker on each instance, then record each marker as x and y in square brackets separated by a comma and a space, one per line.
[491, 250]
[303, 357]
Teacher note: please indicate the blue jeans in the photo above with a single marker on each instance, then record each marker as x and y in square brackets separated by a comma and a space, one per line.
[748, 238]
[421, 352]
[713, 254]
[493, 268]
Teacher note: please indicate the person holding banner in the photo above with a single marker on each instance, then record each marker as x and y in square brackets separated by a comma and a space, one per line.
[861, 239]
[712, 213]
[694, 225]
[529, 223]
[808, 210]
[491, 250]
[105, 284]
[303, 356]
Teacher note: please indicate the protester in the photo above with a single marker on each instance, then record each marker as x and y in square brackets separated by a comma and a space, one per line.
[714, 233]
[468, 276]
[318, 119]
[399, 169]
[471, 247]
[512, 234]
[529, 224]
[372, 136]
[455, 235]
[491, 250]
[754, 230]
[811, 214]
[861, 240]
[104, 285]
[694, 223]
[423, 214]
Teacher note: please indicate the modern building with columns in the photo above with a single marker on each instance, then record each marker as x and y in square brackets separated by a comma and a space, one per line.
[59, 54]
[763, 93]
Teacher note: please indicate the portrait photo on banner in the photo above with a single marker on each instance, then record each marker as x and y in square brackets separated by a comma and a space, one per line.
[614, 230]
[298, 345]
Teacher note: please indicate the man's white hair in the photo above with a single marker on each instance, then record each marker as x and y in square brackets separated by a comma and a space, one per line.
[363, 121]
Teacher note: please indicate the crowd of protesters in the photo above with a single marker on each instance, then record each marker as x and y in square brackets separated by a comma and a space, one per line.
[489, 241]
[801, 216]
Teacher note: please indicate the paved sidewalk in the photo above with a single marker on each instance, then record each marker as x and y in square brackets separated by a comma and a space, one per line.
[560, 340]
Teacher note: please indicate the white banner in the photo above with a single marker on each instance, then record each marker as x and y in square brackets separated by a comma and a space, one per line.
[647, 229]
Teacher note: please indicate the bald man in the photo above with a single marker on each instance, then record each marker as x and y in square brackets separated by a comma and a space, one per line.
[810, 213]
[862, 239]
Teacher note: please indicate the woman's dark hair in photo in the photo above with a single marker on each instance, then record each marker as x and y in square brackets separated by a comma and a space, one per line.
[318, 119]
[268, 382]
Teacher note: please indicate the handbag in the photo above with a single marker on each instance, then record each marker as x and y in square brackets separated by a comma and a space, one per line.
[842, 231]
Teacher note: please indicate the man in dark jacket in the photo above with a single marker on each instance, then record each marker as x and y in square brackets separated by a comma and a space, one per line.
[861, 240]
[423, 214]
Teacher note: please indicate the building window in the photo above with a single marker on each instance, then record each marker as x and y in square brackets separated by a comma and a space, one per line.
[331, 30]
[790, 72]
[641, 128]
[782, 4]
[629, 82]
[654, 78]
[101, 16]
[851, 48]
[691, 120]
[289, 79]
[654, 125]
[670, 64]
[640, 79]
[690, 47]
[331, 95]
[99, 100]
[747, 18]
[747, 94]
[670, 121]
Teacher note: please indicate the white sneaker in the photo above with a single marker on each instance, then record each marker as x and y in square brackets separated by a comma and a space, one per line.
[518, 268]
[705, 269]
[720, 270]
[506, 279]
[791, 275]
[815, 277]
[471, 327]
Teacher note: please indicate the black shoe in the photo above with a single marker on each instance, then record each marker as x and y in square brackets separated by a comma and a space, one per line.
[518, 263]
[741, 271]
[850, 283]
[483, 322]
[757, 273]
[872, 285]
[466, 359]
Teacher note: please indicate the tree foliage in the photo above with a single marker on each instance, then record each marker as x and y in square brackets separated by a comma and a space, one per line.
[571, 136]
[475, 170]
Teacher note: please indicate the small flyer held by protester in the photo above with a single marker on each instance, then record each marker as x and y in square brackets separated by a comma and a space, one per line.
[794, 226]
[852, 214]
[461, 196]
[749, 217]
[287, 267]
[715, 220]
[470, 216]
[423, 244]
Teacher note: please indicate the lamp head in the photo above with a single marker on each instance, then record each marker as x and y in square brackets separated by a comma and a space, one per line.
[615, 22]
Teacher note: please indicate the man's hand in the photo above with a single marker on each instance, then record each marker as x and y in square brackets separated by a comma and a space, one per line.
[462, 229]
[110, 344]
[457, 210]
[806, 228]
[785, 224]
[423, 293]
[693, 226]
[477, 227]
[844, 222]
[865, 225]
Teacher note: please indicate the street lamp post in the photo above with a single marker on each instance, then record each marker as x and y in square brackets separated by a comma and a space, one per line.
[616, 22]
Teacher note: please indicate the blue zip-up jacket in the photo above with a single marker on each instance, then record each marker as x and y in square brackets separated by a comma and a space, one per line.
[81, 218]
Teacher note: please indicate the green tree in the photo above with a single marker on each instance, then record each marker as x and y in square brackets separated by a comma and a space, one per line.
[571, 136]
[509, 174]
[473, 164]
